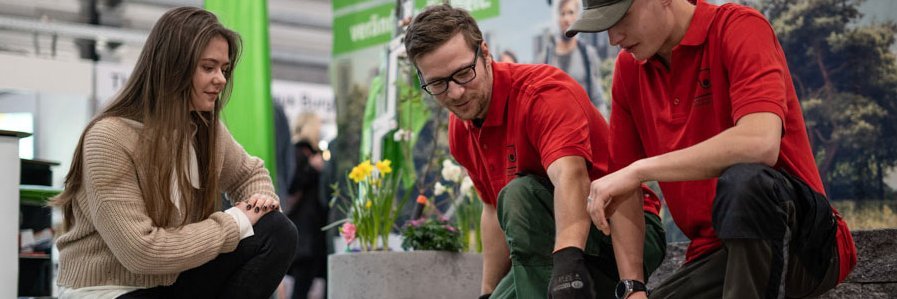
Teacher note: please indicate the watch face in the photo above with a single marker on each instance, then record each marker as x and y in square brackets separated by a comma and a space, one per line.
[621, 290]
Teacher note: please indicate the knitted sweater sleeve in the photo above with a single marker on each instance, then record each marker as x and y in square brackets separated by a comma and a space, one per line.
[115, 206]
[242, 175]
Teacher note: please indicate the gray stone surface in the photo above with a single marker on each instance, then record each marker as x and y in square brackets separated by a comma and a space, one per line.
[401, 275]
[862, 290]
[876, 256]
[673, 260]
[875, 275]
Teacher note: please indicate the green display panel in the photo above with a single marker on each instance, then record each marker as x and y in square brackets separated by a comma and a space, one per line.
[249, 113]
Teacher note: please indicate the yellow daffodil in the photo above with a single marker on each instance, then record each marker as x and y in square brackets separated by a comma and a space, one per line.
[357, 174]
[366, 168]
[384, 166]
[367, 205]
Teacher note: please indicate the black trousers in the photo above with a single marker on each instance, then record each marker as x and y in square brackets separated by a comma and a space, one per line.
[253, 270]
[778, 240]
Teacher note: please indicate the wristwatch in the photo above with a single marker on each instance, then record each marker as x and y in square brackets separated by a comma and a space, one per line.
[626, 287]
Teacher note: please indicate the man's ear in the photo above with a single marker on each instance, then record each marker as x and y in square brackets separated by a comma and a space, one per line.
[487, 56]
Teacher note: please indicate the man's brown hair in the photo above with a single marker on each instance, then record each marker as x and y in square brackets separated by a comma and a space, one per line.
[436, 25]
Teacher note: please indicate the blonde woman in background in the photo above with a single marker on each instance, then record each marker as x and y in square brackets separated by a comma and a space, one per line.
[306, 206]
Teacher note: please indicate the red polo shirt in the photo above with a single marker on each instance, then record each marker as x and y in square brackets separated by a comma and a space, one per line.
[537, 115]
[728, 65]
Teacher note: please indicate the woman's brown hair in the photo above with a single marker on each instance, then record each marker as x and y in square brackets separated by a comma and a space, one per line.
[158, 94]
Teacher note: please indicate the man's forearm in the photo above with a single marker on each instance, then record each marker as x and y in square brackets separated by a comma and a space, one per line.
[627, 226]
[571, 181]
[755, 139]
[496, 257]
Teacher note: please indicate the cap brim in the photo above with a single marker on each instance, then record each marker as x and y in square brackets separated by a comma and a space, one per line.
[600, 18]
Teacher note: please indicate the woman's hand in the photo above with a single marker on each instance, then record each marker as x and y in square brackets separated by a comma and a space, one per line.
[257, 206]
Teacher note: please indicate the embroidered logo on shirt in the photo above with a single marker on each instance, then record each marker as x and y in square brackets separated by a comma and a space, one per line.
[705, 95]
[511, 154]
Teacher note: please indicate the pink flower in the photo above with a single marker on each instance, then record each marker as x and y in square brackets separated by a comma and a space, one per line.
[348, 232]
[417, 222]
[450, 228]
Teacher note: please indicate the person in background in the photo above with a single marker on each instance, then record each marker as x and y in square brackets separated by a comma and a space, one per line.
[703, 103]
[142, 199]
[575, 57]
[507, 56]
[531, 141]
[308, 209]
[284, 152]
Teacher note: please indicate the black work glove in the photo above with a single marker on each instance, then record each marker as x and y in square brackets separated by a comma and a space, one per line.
[569, 276]
[485, 296]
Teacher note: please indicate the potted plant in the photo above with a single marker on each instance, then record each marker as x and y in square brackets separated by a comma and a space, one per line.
[372, 208]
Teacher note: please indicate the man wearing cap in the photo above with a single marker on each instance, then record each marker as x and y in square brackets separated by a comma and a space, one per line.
[531, 141]
[703, 103]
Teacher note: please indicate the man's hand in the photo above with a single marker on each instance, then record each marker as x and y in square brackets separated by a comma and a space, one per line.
[569, 276]
[603, 191]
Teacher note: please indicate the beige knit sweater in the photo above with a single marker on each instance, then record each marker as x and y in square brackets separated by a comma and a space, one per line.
[113, 240]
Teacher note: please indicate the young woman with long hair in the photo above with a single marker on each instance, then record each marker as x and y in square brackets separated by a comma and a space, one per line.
[142, 200]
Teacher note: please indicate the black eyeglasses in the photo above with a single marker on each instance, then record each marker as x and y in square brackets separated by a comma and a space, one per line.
[461, 76]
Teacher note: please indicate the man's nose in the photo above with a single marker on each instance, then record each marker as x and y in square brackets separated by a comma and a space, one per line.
[455, 90]
[614, 36]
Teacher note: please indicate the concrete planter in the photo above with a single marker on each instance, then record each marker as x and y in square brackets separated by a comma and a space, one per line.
[415, 274]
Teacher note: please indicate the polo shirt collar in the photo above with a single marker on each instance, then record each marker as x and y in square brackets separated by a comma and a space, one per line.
[700, 24]
[696, 34]
[501, 85]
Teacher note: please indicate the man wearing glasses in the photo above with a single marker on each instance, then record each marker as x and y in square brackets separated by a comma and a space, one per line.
[531, 141]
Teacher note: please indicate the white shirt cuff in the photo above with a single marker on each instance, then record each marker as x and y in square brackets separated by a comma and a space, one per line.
[242, 221]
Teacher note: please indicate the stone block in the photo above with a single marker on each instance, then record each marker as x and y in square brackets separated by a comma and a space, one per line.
[401, 275]
[876, 256]
[862, 290]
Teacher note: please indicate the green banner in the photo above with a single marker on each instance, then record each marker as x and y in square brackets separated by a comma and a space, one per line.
[337, 4]
[479, 9]
[374, 26]
[365, 28]
[249, 112]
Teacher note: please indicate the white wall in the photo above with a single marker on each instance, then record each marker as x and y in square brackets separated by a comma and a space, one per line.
[59, 122]
[9, 217]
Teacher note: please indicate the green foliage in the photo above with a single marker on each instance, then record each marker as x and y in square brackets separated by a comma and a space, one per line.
[845, 76]
[431, 234]
[467, 216]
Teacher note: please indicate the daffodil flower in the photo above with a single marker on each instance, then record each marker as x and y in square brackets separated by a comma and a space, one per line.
[384, 166]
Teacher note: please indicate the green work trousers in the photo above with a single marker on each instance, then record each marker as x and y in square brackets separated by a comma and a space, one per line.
[526, 216]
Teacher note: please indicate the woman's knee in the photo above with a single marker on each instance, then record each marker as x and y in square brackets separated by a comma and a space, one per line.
[275, 227]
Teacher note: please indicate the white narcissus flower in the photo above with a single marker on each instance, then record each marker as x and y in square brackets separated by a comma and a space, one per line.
[447, 163]
[438, 189]
[451, 172]
[466, 186]
[397, 137]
